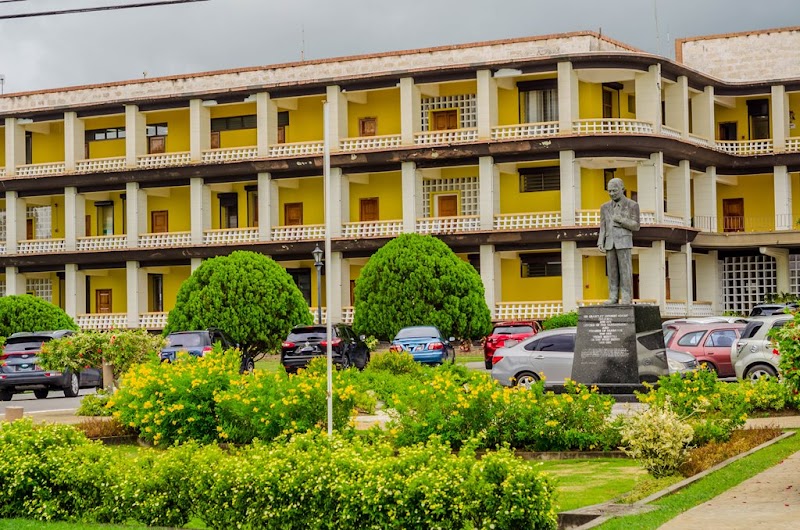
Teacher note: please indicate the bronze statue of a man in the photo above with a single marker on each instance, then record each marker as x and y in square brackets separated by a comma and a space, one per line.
[619, 218]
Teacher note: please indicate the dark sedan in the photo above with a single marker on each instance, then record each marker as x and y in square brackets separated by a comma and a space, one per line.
[307, 342]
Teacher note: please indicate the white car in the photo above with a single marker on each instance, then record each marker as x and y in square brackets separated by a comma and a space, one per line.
[752, 353]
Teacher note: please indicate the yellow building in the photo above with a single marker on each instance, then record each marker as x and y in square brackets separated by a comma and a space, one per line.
[110, 195]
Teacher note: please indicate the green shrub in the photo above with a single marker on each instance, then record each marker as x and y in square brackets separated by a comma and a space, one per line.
[25, 312]
[765, 394]
[657, 438]
[787, 341]
[95, 404]
[561, 321]
[395, 363]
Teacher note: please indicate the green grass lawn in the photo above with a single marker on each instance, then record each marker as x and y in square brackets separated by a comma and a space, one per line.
[583, 482]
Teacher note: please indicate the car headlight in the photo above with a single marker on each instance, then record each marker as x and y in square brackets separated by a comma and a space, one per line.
[678, 366]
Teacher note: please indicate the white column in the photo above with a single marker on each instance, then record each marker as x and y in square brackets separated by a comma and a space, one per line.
[136, 213]
[15, 146]
[199, 129]
[567, 97]
[135, 135]
[676, 105]
[650, 186]
[267, 119]
[489, 187]
[15, 282]
[15, 221]
[195, 263]
[74, 290]
[703, 114]
[708, 280]
[74, 215]
[652, 273]
[780, 119]
[678, 287]
[491, 277]
[705, 200]
[679, 191]
[570, 187]
[337, 125]
[648, 96]
[410, 110]
[200, 200]
[784, 220]
[339, 200]
[487, 104]
[781, 256]
[137, 292]
[571, 275]
[412, 196]
[267, 206]
[333, 306]
[74, 140]
[344, 286]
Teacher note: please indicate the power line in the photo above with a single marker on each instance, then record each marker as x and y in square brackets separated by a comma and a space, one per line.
[90, 9]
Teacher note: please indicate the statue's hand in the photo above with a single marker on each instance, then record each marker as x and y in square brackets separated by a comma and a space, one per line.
[600, 247]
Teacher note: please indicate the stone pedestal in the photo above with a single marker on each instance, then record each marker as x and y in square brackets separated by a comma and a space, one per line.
[618, 347]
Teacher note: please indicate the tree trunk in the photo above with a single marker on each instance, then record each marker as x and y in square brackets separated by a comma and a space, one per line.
[108, 377]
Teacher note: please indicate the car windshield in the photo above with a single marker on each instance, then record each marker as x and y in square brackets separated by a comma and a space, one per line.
[185, 340]
[27, 345]
[418, 332]
[511, 330]
[299, 335]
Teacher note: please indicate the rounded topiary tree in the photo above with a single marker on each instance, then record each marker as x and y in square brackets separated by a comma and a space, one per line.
[28, 313]
[416, 280]
[246, 295]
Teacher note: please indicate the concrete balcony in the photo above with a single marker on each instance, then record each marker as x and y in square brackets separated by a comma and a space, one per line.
[298, 232]
[369, 143]
[734, 224]
[165, 239]
[2, 249]
[102, 321]
[164, 160]
[362, 229]
[680, 308]
[527, 310]
[525, 130]
[93, 243]
[227, 236]
[523, 221]
[99, 165]
[670, 132]
[793, 145]
[153, 321]
[699, 140]
[41, 170]
[233, 154]
[448, 225]
[448, 136]
[296, 149]
[40, 246]
[612, 126]
[746, 147]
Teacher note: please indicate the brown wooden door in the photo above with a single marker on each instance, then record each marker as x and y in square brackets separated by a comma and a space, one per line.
[447, 205]
[293, 213]
[156, 144]
[733, 215]
[215, 140]
[103, 300]
[367, 126]
[29, 229]
[159, 221]
[282, 134]
[88, 225]
[445, 119]
[369, 209]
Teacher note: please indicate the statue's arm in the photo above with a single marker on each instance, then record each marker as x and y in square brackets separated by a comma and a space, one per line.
[631, 221]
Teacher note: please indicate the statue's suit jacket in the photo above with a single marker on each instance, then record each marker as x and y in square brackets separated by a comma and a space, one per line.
[618, 236]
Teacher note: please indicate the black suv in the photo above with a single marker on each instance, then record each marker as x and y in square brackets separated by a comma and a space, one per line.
[306, 342]
[19, 371]
[200, 342]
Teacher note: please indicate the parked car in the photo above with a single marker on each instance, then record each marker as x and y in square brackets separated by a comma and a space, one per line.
[505, 332]
[425, 343]
[200, 342]
[19, 371]
[762, 310]
[752, 353]
[709, 343]
[549, 355]
[306, 342]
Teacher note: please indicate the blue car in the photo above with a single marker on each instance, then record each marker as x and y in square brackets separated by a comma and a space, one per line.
[425, 343]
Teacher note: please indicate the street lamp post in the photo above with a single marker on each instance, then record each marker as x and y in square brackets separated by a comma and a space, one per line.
[318, 253]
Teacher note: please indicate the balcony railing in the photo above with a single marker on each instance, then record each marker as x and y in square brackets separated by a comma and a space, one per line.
[735, 223]
[672, 133]
[2, 172]
[677, 308]
[2, 249]
[40, 246]
[347, 314]
[674, 220]
[793, 145]
[41, 170]
[165, 239]
[448, 225]
[164, 160]
[296, 149]
[699, 140]
[448, 136]
[746, 147]
[102, 243]
[587, 217]
[612, 126]
[231, 154]
[372, 229]
[523, 221]
[315, 314]
[97, 165]
[102, 321]
[226, 236]
[153, 321]
[298, 232]
[367, 143]
[527, 310]
[525, 130]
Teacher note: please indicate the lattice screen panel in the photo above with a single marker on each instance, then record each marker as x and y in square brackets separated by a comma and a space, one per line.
[2, 288]
[2, 225]
[42, 221]
[467, 187]
[465, 103]
[794, 273]
[40, 288]
[746, 280]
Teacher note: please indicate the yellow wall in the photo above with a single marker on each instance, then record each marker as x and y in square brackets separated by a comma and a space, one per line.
[508, 106]
[116, 281]
[739, 115]
[595, 281]
[759, 202]
[514, 201]
[178, 128]
[2, 147]
[310, 193]
[238, 188]
[49, 147]
[178, 206]
[515, 288]
[381, 104]
[105, 148]
[794, 105]
[458, 88]
[240, 137]
[590, 100]
[305, 123]
[387, 187]
[172, 282]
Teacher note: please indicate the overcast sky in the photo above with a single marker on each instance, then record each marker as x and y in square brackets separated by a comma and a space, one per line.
[78, 49]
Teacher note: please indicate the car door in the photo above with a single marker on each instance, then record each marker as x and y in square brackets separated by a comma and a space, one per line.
[717, 349]
[551, 357]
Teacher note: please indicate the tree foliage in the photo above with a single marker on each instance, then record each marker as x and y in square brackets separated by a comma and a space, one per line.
[247, 295]
[28, 313]
[415, 280]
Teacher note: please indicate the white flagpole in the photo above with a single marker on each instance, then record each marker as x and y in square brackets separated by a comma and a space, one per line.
[326, 177]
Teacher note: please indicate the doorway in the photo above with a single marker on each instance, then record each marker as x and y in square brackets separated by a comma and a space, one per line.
[368, 210]
[159, 221]
[293, 213]
[446, 206]
[103, 300]
[444, 120]
[733, 215]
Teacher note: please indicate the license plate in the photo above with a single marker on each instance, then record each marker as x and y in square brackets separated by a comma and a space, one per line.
[24, 367]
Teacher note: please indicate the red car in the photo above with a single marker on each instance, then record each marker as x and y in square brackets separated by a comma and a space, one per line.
[504, 331]
[709, 343]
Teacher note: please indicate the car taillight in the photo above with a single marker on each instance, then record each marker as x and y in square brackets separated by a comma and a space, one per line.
[206, 350]
[496, 359]
[287, 344]
[435, 346]
[395, 348]
[335, 342]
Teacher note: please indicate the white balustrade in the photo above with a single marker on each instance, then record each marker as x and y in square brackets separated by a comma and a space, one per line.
[40, 246]
[677, 308]
[165, 239]
[612, 126]
[746, 147]
[522, 221]
[2, 249]
[448, 225]
[296, 149]
[2, 172]
[647, 217]
[164, 160]
[298, 232]
[227, 236]
[372, 229]
[587, 217]
[95, 165]
[366, 143]
[792, 145]
[705, 223]
[527, 310]
[102, 321]
[315, 314]
[154, 321]
[91, 243]
[673, 220]
[525, 130]
[448, 136]
[231, 154]
[347, 315]
[41, 170]
[672, 133]
[699, 140]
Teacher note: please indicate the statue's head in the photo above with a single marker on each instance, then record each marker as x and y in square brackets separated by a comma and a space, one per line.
[616, 188]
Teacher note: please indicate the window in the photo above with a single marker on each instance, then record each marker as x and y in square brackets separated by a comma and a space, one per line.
[758, 114]
[105, 218]
[558, 343]
[234, 123]
[112, 133]
[611, 99]
[540, 265]
[538, 101]
[539, 179]
[156, 289]
[727, 130]
[723, 338]
[252, 205]
[28, 147]
[156, 129]
[229, 210]
[691, 339]
[302, 278]
[283, 122]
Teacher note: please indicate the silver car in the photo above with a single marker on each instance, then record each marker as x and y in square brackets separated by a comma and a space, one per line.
[751, 353]
[548, 355]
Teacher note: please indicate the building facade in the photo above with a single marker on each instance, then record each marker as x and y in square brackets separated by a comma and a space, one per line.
[110, 195]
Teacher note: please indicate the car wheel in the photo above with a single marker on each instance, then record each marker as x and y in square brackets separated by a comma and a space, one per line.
[452, 355]
[73, 386]
[6, 395]
[248, 365]
[41, 393]
[525, 379]
[756, 372]
[487, 363]
[345, 364]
